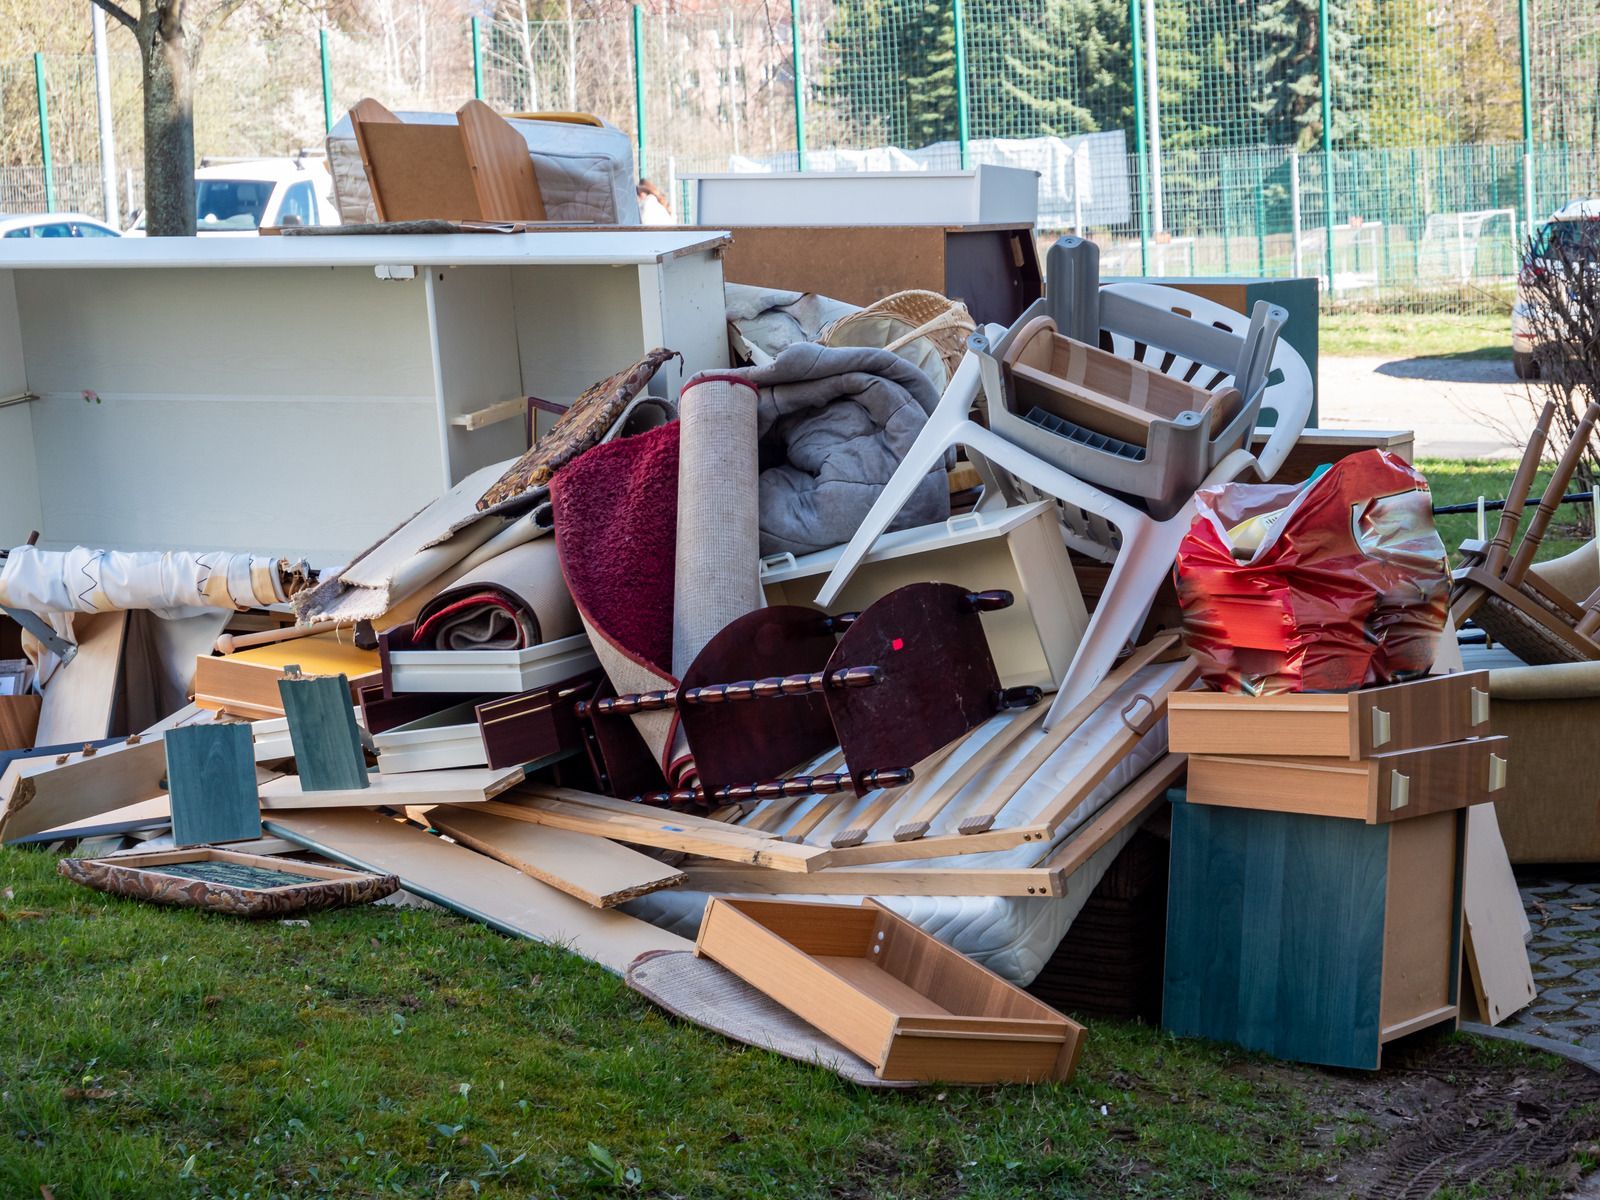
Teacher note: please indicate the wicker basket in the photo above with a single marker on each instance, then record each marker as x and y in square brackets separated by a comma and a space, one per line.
[924, 328]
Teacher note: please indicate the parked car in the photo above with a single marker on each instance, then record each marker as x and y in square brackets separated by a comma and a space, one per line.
[1570, 232]
[238, 198]
[53, 225]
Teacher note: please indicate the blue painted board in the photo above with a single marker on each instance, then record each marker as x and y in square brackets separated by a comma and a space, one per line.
[323, 733]
[1275, 933]
[211, 781]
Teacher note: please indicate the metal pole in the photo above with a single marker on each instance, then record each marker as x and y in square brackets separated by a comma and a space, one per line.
[44, 135]
[477, 60]
[102, 102]
[327, 82]
[1153, 95]
[1296, 256]
[1327, 131]
[1227, 252]
[638, 83]
[1527, 114]
[963, 123]
[1261, 222]
[1141, 157]
[799, 85]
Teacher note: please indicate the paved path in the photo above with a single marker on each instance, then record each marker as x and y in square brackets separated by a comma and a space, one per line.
[1460, 407]
[1564, 909]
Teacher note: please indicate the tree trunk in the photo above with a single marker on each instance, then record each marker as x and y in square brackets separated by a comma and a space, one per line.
[168, 134]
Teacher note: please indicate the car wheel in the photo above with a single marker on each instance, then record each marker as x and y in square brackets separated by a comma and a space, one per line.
[1524, 366]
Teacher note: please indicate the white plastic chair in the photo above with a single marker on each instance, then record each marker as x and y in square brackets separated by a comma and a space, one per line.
[1147, 547]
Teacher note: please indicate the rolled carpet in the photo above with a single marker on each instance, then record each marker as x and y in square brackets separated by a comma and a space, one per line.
[616, 510]
[515, 600]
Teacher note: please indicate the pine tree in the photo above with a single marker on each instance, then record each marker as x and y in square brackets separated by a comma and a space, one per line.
[891, 70]
[1289, 78]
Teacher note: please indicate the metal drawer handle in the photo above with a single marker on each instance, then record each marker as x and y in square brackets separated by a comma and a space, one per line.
[1399, 791]
[1382, 727]
[1497, 773]
[1480, 706]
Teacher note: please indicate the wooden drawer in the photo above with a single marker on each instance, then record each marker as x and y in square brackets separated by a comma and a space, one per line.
[890, 993]
[1383, 788]
[1311, 938]
[1352, 725]
[535, 726]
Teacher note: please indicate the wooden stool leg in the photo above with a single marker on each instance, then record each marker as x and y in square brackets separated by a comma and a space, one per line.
[1551, 499]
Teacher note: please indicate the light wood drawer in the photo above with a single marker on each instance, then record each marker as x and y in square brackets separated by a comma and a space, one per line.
[1350, 725]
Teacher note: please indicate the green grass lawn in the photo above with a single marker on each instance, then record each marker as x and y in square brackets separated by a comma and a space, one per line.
[1455, 481]
[1414, 335]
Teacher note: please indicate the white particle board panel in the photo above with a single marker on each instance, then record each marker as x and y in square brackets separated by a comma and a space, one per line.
[19, 478]
[682, 306]
[985, 195]
[597, 247]
[479, 362]
[576, 326]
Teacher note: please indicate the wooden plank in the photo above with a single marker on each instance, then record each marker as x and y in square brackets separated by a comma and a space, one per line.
[1421, 918]
[246, 683]
[466, 882]
[939, 846]
[598, 872]
[80, 698]
[1057, 734]
[396, 791]
[848, 881]
[211, 784]
[502, 169]
[1497, 957]
[939, 798]
[888, 798]
[668, 831]
[42, 793]
[19, 721]
[1126, 807]
[322, 729]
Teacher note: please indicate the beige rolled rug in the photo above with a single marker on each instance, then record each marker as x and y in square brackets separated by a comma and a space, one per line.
[514, 600]
[717, 577]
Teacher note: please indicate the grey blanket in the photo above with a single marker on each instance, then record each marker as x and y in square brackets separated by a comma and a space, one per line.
[834, 423]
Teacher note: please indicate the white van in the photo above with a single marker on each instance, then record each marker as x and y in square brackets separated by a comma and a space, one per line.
[236, 199]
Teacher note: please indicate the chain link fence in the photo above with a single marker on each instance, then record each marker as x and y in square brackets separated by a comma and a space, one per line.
[1397, 149]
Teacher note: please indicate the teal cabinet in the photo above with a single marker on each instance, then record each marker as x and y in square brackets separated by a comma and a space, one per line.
[1315, 939]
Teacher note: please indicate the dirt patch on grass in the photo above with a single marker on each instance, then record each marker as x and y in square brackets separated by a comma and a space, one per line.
[1461, 1118]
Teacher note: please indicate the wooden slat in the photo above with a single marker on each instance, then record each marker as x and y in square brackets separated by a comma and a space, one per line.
[1129, 805]
[667, 831]
[847, 881]
[1063, 729]
[598, 872]
[939, 846]
[1497, 957]
[939, 798]
[466, 882]
[889, 798]
[468, 786]
[502, 169]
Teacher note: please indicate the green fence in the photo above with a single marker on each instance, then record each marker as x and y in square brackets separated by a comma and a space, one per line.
[1397, 149]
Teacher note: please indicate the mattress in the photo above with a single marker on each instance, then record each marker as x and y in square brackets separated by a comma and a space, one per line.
[1014, 936]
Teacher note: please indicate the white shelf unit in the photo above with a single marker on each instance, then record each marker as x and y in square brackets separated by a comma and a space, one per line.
[297, 395]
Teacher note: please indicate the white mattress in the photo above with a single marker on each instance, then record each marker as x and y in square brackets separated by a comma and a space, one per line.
[1014, 936]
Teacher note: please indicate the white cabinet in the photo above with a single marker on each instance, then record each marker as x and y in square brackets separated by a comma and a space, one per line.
[303, 395]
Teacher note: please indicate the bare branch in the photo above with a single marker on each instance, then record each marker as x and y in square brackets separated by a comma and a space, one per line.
[117, 11]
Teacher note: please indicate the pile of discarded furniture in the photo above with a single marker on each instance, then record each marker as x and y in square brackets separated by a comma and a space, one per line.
[817, 694]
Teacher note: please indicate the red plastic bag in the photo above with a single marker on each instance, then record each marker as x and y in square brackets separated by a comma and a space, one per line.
[1347, 589]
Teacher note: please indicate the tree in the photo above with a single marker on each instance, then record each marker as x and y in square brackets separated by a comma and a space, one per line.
[1289, 73]
[170, 39]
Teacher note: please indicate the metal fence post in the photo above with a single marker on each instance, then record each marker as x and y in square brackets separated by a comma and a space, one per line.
[1158, 216]
[1227, 224]
[1140, 151]
[638, 83]
[1261, 221]
[327, 82]
[102, 103]
[963, 115]
[1327, 131]
[1296, 257]
[1527, 115]
[44, 135]
[799, 85]
[477, 60]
